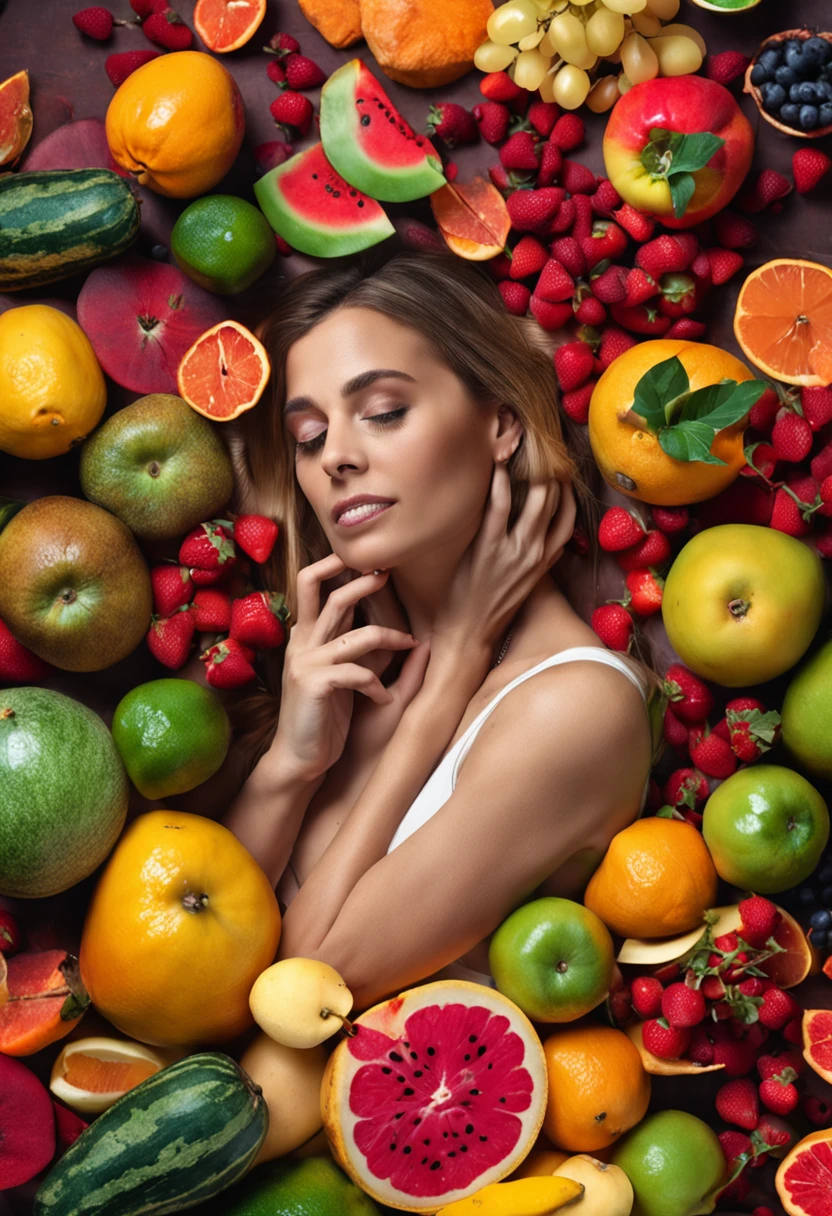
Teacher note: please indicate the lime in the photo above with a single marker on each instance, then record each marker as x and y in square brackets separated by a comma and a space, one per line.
[807, 714]
[223, 243]
[674, 1162]
[311, 1187]
[172, 735]
[553, 958]
[766, 828]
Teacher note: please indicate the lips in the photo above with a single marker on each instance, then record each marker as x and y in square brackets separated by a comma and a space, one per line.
[358, 500]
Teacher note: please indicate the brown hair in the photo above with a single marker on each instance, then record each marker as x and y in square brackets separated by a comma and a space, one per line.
[497, 356]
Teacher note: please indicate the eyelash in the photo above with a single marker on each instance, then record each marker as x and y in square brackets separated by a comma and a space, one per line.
[304, 447]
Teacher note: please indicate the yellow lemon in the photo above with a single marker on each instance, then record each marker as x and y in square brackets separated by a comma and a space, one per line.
[52, 390]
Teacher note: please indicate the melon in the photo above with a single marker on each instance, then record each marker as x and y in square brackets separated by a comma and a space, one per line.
[368, 142]
[316, 211]
[440, 1091]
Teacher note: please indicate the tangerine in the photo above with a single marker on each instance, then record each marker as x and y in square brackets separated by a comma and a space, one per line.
[783, 321]
[598, 1088]
[656, 879]
[631, 459]
[224, 373]
[226, 25]
[803, 1179]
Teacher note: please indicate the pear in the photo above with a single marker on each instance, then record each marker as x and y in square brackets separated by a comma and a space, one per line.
[607, 1189]
[300, 1002]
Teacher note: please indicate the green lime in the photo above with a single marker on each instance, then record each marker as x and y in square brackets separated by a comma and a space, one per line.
[554, 958]
[675, 1163]
[312, 1187]
[172, 735]
[223, 243]
[766, 828]
[807, 714]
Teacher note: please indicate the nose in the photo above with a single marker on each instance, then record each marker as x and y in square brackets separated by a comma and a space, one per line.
[342, 449]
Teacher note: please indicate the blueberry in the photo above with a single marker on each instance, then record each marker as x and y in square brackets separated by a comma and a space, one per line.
[823, 88]
[770, 60]
[824, 873]
[817, 50]
[820, 939]
[785, 76]
[806, 94]
[159, 253]
[790, 114]
[821, 919]
[792, 44]
[759, 74]
[794, 93]
[826, 896]
[825, 114]
[798, 64]
[773, 96]
[809, 118]
[806, 896]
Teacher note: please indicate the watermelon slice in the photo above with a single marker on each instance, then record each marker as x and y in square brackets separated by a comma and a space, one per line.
[370, 144]
[316, 211]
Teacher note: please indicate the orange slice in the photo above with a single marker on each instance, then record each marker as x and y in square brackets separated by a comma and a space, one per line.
[15, 117]
[225, 25]
[472, 217]
[783, 321]
[804, 1179]
[817, 1041]
[91, 1074]
[224, 373]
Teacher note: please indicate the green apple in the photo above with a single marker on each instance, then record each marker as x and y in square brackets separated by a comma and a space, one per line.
[554, 958]
[807, 714]
[675, 1163]
[766, 828]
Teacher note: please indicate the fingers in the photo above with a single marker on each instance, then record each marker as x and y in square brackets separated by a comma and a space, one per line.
[359, 642]
[562, 525]
[497, 510]
[412, 674]
[337, 613]
[359, 679]
[309, 588]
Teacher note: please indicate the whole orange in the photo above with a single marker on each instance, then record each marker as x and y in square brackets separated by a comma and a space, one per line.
[177, 123]
[655, 880]
[631, 459]
[598, 1088]
[182, 922]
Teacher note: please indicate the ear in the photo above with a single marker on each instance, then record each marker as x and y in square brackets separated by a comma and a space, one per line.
[509, 433]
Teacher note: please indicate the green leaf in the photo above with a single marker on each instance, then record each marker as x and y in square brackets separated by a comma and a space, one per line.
[689, 441]
[662, 383]
[692, 152]
[682, 187]
[722, 404]
[703, 401]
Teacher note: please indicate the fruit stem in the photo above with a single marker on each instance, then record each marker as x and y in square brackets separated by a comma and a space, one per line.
[6, 713]
[346, 1024]
[739, 608]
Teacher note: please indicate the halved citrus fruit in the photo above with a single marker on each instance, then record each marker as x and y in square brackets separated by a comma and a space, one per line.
[15, 117]
[472, 217]
[804, 1179]
[656, 1066]
[783, 321]
[817, 1041]
[91, 1074]
[224, 373]
[225, 25]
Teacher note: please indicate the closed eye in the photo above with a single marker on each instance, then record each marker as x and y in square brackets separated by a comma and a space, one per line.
[304, 447]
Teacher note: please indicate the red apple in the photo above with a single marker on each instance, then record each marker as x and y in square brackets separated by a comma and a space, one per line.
[678, 148]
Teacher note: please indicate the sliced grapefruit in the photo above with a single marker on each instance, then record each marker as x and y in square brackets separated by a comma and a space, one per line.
[817, 1041]
[804, 1178]
[226, 25]
[658, 1067]
[783, 321]
[15, 117]
[91, 1074]
[224, 373]
[473, 218]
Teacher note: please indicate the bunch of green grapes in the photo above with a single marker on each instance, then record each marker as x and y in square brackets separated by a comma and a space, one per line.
[556, 46]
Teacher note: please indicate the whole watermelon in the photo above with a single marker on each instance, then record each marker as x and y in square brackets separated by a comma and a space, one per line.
[63, 792]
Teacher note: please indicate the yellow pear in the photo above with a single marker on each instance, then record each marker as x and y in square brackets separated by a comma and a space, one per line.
[290, 1079]
[607, 1189]
[300, 1002]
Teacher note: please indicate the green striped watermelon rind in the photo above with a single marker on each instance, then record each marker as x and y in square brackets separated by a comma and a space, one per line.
[177, 1139]
[57, 222]
[287, 198]
[353, 104]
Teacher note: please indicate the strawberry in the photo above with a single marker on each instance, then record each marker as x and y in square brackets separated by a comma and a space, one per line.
[212, 610]
[726, 67]
[608, 283]
[303, 73]
[207, 548]
[734, 231]
[737, 1102]
[582, 227]
[119, 67]
[172, 588]
[786, 515]
[18, 665]
[809, 166]
[576, 178]
[293, 110]
[821, 465]
[257, 620]
[816, 1110]
[761, 461]
[816, 403]
[675, 730]
[666, 1042]
[724, 263]
[646, 590]
[516, 297]
[690, 697]
[689, 244]
[777, 1008]
[614, 342]
[492, 118]
[635, 223]
[762, 190]
[520, 151]
[605, 199]
[778, 1093]
[641, 320]
[662, 255]
[268, 156]
[556, 284]
[276, 72]
[752, 731]
[96, 22]
[772, 1065]
[9, 933]
[570, 255]
[588, 310]
[653, 550]
[614, 626]
[735, 1146]
[550, 316]
[499, 267]
[713, 988]
[169, 638]
[282, 45]
[671, 519]
[144, 8]
[773, 1133]
[687, 329]
[576, 402]
[640, 287]
[713, 756]
[543, 115]
[498, 86]
[227, 664]
[683, 1006]
[528, 257]
[737, 1055]
[505, 181]
[532, 210]
[167, 29]
[573, 362]
[646, 995]
[791, 437]
[568, 132]
[565, 217]
[751, 987]
[792, 1032]
[551, 163]
[256, 536]
[606, 241]
[680, 294]
[685, 787]
[701, 1049]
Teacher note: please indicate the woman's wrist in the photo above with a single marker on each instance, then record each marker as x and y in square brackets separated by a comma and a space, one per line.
[278, 771]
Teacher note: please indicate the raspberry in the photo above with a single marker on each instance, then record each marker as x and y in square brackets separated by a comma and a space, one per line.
[666, 1042]
[683, 1006]
[646, 993]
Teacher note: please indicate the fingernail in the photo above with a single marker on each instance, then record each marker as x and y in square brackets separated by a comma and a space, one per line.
[379, 572]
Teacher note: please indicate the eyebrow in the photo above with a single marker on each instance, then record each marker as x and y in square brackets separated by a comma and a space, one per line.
[361, 381]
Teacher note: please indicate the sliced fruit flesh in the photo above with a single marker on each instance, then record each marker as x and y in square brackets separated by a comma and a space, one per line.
[100, 1076]
[15, 117]
[225, 25]
[806, 1183]
[473, 211]
[225, 372]
[817, 1041]
[784, 320]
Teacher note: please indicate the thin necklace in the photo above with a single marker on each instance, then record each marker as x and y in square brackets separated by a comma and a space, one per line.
[502, 653]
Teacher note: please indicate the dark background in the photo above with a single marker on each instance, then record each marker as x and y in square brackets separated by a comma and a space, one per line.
[69, 82]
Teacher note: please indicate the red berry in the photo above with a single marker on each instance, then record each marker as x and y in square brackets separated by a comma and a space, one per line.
[575, 177]
[777, 1008]
[641, 319]
[611, 285]
[568, 132]
[685, 787]
[256, 535]
[516, 297]
[551, 162]
[809, 166]
[119, 67]
[570, 255]
[713, 756]
[618, 530]
[666, 1042]
[493, 119]
[737, 1102]
[724, 264]
[227, 664]
[96, 22]
[532, 210]
[646, 995]
[576, 403]
[614, 342]
[167, 29]
[9, 933]
[816, 403]
[172, 588]
[212, 610]
[762, 190]
[675, 730]
[734, 231]
[688, 330]
[635, 223]
[257, 620]
[550, 316]
[791, 437]
[614, 626]
[520, 151]
[606, 198]
[683, 1006]
[303, 73]
[498, 86]
[764, 411]
[690, 698]
[283, 44]
[726, 67]
[670, 519]
[646, 590]
[528, 258]
[817, 1110]
[169, 640]
[543, 115]
[294, 110]
[737, 1055]
[662, 255]
[653, 550]
[574, 362]
[18, 664]
[779, 1095]
[759, 920]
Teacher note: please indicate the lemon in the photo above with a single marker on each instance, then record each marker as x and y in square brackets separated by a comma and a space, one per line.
[52, 390]
[223, 243]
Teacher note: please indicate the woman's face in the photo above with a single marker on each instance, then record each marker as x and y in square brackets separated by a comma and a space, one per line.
[373, 412]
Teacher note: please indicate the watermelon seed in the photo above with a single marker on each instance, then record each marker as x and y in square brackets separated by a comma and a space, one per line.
[451, 1154]
[408, 1092]
[463, 1148]
[386, 1071]
[426, 1141]
[401, 1080]
[431, 1051]
[424, 1161]
[394, 1055]
[435, 1165]
[361, 202]
[365, 120]
[407, 1149]
[473, 1091]
[483, 1137]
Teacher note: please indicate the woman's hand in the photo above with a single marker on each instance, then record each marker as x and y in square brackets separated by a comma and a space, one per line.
[323, 668]
[500, 568]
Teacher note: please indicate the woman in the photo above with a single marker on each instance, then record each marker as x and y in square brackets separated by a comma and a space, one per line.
[406, 385]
